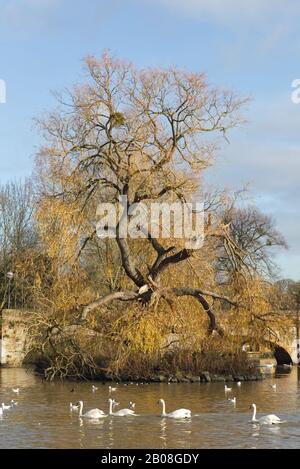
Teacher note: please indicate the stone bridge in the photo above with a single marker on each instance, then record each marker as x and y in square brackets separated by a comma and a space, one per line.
[13, 337]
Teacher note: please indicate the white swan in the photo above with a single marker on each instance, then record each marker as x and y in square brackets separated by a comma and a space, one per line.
[16, 390]
[120, 413]
[239, 383]
[270, 419]
[273, 386]
[176, 414]
[73, 407]
[94, 388]
[110, 389]
[91, 414]
[227, 389]
[5, 407]
[233, 400]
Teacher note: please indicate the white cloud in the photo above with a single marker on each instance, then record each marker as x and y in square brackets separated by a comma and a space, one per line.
[260, 25]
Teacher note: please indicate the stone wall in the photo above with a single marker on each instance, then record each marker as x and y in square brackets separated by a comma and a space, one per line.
[14, 324]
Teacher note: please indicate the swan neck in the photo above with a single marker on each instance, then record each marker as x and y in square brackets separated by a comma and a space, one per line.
[163, 407]
[254, 412]
[80, 408]
[110, 407]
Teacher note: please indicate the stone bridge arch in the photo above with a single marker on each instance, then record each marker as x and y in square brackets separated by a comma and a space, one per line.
[287, 352]
[283, 356]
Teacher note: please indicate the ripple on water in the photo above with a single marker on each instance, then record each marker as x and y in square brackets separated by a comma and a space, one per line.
[43, 419]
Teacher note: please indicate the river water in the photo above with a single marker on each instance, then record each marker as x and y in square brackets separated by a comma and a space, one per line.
[42, 418]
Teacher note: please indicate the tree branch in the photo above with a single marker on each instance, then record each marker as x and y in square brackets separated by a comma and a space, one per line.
[196, 293]
[120, 295]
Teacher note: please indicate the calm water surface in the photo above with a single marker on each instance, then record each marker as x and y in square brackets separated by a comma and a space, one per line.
[42, 418]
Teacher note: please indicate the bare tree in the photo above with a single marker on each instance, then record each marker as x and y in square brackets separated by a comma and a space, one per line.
[253, 239]
[146, 135]
[17, 234]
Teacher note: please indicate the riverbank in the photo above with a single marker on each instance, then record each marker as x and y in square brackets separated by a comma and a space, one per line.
[206, 377]
[250, 371]
[202, 377]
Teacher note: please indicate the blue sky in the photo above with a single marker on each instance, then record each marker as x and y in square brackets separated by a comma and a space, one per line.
[250, 46]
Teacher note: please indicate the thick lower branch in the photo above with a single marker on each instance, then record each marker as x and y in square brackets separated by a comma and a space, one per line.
[196, 293]
[147, 296]
[120, 295]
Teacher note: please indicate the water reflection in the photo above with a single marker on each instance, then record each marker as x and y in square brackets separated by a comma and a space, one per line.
[163, 432]
[43, 418]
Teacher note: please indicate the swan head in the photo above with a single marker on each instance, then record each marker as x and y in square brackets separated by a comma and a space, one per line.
[252, 406]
